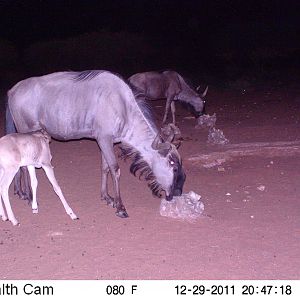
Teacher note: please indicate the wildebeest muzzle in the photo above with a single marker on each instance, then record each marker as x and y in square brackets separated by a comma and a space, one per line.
[179, 180]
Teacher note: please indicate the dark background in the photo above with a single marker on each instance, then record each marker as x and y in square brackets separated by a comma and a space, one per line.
[208, 41]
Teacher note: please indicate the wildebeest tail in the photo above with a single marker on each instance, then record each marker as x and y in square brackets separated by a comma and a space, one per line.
[9, 122]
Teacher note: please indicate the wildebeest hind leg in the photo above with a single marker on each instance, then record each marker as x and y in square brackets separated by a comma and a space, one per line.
[22, 184]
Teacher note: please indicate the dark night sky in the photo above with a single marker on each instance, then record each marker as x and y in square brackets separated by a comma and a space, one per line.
[258, 21]
[199, 28]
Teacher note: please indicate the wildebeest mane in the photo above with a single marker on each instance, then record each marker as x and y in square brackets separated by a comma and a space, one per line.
[147, 112]
[90, 74]
[86, 75]
[144, 105]
[139, 165]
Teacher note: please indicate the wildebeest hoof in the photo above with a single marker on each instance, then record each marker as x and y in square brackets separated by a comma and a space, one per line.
[4, 218]
[73, 216]
[24, 196]
[21, 195]
[122, 214]
[15, 222]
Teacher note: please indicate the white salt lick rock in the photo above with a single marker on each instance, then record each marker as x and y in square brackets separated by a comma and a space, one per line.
[187, 207]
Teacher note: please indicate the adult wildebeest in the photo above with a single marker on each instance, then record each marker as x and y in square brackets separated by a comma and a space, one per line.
[171, 86]
[31, 150]
[101, 106]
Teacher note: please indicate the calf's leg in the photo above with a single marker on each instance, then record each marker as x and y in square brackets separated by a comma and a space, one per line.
[2, 211]
[6, 180]
[34, 183]
[50, 174]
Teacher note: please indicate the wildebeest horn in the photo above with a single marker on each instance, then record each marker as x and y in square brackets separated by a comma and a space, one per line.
[156, 142]
[162, 147]
[205, 92]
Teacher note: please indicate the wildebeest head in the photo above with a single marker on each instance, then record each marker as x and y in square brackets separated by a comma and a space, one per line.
[198, 103]
[168, 170]
[162, 168]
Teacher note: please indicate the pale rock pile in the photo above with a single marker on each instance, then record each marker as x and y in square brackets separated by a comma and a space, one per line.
[205, 121]
[187, 207]
[215, 136]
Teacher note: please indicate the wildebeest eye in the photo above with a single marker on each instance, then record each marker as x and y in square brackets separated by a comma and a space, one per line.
[173, 165]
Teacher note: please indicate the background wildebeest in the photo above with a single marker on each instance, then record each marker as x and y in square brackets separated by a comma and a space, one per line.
[171, 86]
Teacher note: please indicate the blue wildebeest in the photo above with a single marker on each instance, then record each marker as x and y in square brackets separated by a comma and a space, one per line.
[171, 86]
[31, 150]
[101, 106]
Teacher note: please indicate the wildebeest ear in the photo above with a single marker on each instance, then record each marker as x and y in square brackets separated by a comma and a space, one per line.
[157, 141]
[177, 144]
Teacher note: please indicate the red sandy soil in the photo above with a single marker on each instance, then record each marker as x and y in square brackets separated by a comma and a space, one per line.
[249, 234]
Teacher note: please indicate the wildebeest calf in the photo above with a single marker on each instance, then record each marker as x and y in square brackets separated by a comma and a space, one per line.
[29, 150]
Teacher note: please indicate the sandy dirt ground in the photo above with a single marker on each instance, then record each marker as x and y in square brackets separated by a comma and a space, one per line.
[248, 232]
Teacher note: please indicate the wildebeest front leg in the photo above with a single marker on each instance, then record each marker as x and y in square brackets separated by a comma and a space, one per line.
[106, 146]
[167, 109]
[173, 111]
[104, 191]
